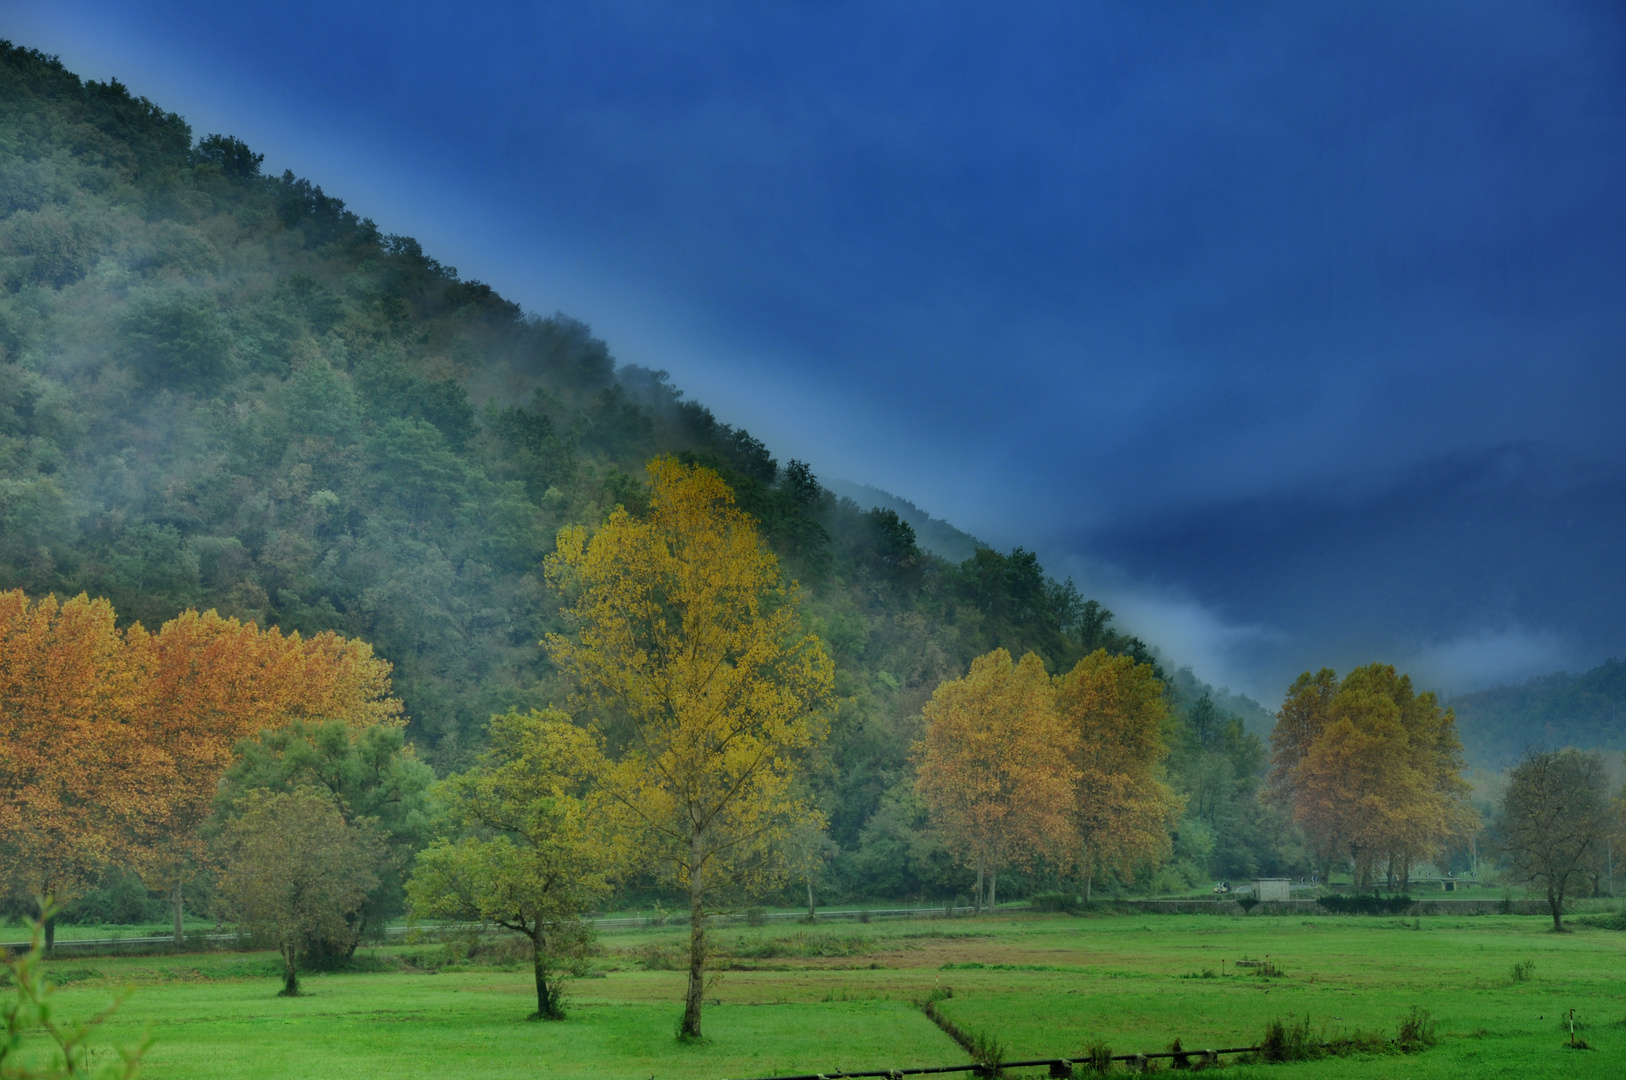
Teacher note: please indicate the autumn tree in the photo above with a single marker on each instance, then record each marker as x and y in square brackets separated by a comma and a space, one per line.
[689, 644]
[538, 847]
[1555, 822]
[1372, 770]
[207, 682]
[293, 872]
[1112, 711]
[994, 768]
[75, 768]
[115, 743]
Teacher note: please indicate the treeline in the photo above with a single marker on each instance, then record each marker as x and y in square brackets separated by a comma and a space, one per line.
[226, 391]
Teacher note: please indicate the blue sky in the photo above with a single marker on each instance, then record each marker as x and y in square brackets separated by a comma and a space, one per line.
[1295, 331]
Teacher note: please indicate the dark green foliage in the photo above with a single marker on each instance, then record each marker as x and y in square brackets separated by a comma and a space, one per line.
[1584, 711]
[375, 780]
[1365, 905]
[176, 341]
[225, 390]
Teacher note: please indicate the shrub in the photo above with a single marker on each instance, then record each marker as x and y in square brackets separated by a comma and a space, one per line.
[1097, 1056]
[1416, 1031]
[1066, 903]
[1288, 1041]
[1522, 970]
[1365, 905]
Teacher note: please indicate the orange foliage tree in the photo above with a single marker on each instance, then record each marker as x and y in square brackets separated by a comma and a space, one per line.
[994, 767]
[1122, 807]
[1371, 770]
[112, 744]
[74, 771]
[208, 682]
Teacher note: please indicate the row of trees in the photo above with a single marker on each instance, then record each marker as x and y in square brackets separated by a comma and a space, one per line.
[113, 742]
[1017, 765]
[1371, 770]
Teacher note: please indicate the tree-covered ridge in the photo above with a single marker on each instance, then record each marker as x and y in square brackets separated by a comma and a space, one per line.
[225, 390]
[1551, 711]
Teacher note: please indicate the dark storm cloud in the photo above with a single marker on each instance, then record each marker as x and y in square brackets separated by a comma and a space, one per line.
[1228, 308]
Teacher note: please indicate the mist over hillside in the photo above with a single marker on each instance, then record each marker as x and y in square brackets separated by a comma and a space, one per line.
[1585, 711]
[225, 390]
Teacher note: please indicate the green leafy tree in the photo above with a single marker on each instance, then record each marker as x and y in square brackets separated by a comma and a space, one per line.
[1555, 822]
[375, 780]
[537, 848]
[294, 874]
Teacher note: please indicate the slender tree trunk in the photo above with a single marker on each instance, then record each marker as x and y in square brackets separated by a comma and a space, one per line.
[810, 912]
[993, 886]
[1405, 875]
[50, 935]
[976, 905]
[1088, 878]
[290, 973]
[176, 902]
[1555, 900]
[547, 998]
[697, 945]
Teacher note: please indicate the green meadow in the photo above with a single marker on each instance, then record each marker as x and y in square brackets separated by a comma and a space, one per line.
[842, 996]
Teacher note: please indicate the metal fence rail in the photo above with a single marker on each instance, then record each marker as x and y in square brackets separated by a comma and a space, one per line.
[1059, 1067]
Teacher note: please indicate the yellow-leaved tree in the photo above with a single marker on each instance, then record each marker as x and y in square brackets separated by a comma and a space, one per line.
[993, 766]
[75, 766]
[1371, 769]
[1122, 807]
[690, 643]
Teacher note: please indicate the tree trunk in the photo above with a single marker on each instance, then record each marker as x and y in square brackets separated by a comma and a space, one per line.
[1555, 900]
[50, 934]
[993, 887]
[1088, 878]
[976, 905]
[1405, 875]
[548, 1005]
[810, 912]
[176, 901]
[290, 973]
[697, 946]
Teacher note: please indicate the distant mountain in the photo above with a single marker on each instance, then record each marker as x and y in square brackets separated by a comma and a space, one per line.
[1585, 711]
[933, 534]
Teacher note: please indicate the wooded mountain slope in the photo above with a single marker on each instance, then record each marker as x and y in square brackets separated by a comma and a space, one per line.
[225, 390]
[1586, 711]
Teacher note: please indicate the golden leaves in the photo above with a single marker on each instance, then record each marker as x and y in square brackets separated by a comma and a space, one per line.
[1370, 767]
[689, 639]
[112, 744]
[1016, 764]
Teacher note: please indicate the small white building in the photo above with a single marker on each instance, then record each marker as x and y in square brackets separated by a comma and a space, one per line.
[1271, 888]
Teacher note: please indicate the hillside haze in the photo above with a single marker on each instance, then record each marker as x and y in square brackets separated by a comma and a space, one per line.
[225, 390]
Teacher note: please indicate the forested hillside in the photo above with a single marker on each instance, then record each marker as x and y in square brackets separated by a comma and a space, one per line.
[220, 389]
[1586, 711]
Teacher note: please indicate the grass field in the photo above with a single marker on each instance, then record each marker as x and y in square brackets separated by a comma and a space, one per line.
[841, 996]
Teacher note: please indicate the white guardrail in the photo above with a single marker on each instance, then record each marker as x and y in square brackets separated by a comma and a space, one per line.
[628, 922]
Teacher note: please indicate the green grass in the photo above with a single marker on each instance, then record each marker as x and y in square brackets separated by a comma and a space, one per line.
[800, 999]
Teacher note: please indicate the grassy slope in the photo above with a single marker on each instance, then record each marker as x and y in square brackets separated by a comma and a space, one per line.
[1061, 983]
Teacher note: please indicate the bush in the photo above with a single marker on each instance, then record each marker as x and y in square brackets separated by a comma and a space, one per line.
[123, 902]
[1416, 1031]
[1521, 971]
[1289, 1041]
[1066, 903]
[1365, 905]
